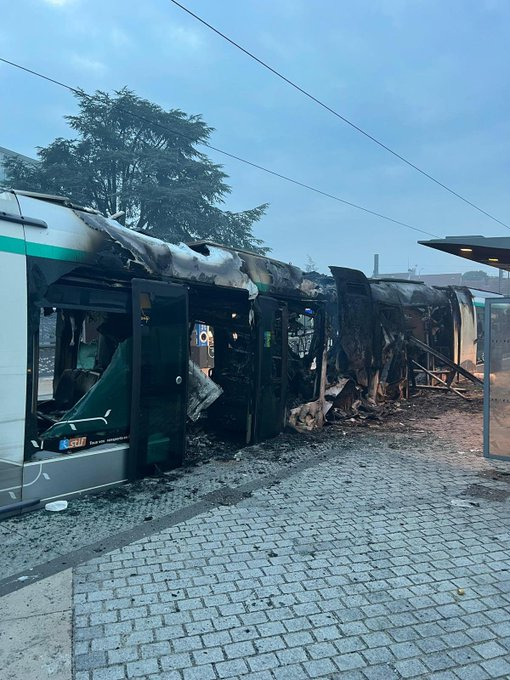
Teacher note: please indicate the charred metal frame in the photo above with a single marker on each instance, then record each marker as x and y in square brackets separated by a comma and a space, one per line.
[378, 320]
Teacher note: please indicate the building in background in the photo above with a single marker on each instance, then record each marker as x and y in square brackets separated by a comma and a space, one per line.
[8, 153]
[472, 279]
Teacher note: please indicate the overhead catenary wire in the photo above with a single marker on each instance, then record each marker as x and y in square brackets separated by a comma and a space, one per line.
[343, 118]
[262, 168]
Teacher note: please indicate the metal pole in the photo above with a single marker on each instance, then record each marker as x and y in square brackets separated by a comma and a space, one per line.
[376, 266]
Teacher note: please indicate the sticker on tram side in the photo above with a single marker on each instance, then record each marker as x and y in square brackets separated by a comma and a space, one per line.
[109, 440]
[72, 443]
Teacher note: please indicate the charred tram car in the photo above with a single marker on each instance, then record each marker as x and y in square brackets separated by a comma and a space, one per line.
[97, 386]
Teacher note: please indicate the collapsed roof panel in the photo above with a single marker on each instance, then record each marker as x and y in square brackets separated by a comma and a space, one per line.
[90, 237]
[270, 276]
[407, 293]
[218, 267]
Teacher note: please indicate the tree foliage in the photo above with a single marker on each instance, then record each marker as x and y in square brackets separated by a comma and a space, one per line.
[131, 156]
[475, 275]
[310, 265]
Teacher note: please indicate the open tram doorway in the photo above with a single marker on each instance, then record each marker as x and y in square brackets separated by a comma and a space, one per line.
[240, 346]
[222, 336]
[107, 388]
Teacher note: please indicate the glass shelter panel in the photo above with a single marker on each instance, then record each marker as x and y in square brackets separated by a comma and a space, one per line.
[497, 379]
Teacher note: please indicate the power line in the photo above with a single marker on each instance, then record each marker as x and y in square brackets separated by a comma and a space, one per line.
[80, 92]
[337, 114]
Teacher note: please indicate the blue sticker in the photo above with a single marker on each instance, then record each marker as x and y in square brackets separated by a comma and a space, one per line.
[201, 331]
[63, 445]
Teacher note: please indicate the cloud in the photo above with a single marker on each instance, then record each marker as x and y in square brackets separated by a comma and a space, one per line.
[119, 38]
[397, 10]
[59, 3]
[83, 63]
[185, 37]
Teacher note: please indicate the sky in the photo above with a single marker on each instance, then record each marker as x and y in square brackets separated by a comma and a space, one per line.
[429, 78]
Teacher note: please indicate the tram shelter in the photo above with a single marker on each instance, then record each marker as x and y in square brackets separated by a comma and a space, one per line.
[493, 252]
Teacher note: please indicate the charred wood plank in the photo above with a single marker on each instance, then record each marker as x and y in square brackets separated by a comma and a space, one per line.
[446, 385]
[456, 367]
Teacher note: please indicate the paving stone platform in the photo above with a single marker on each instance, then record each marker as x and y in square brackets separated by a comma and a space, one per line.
[359, 567]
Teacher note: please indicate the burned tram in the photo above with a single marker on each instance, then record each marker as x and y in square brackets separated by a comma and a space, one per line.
[113, 342]
[96, 380]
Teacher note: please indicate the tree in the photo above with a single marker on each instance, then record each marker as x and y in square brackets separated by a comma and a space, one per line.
[310, 265]
[475, 275]
[132, 156]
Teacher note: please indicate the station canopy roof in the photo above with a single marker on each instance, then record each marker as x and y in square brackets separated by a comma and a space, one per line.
[491, 251]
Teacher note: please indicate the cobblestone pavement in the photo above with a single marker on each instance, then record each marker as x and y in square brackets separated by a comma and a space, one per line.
[37, 537]
[359, 567]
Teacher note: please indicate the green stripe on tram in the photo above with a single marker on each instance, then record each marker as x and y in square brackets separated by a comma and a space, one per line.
[8, 244]
[12, 245]
[56, 252]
